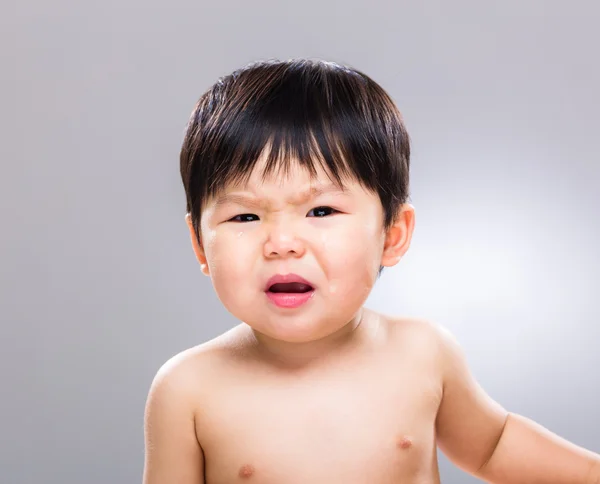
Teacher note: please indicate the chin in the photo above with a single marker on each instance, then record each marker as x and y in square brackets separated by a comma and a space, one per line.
[296, 330]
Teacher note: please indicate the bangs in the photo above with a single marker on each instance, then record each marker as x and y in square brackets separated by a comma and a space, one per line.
[280, 149]
[316, 114]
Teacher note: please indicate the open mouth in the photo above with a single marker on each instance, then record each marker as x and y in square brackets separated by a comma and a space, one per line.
[290, 295]
[290, 288]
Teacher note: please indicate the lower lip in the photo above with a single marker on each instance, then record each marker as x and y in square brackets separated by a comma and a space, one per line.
[290, 300]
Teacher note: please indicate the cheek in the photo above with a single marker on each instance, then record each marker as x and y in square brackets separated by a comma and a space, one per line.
[351, 258]
[229, 259]
[353, 241]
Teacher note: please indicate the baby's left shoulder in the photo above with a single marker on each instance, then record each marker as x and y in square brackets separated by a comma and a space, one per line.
[422, 342]
[417, 344]
[417, 333]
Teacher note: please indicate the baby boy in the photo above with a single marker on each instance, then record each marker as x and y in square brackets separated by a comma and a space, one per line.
[296, 175]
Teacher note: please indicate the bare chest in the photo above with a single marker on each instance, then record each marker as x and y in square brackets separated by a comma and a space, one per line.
[353, 430]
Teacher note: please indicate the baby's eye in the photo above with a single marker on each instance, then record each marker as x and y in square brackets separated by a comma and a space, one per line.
[320, 212]
[244, 217]
[323, 211]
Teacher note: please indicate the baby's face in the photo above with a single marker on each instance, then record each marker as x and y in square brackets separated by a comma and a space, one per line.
[334, 240]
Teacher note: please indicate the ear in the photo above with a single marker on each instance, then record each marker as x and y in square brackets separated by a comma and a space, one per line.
[398, 236]
[197, 246]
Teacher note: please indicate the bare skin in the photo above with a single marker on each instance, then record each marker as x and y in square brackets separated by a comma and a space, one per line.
[363, 414]
[373, 410]
[305, 425]
[332, 393]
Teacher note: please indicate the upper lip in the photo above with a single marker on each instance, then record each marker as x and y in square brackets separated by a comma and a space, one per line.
[283, 278]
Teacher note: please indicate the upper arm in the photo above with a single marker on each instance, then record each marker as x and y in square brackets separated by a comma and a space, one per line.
[172, 451]
[469, 422]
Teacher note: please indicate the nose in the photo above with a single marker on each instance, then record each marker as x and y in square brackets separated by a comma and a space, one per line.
[283, 242]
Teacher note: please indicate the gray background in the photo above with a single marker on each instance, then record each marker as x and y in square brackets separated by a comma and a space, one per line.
[98, 282]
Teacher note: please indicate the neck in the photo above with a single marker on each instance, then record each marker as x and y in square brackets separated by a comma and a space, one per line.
[296, 356]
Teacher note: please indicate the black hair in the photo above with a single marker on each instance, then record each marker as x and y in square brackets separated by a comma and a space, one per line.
[301, 109]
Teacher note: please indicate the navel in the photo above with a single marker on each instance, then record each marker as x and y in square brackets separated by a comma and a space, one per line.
[246, 471]
[405, 443]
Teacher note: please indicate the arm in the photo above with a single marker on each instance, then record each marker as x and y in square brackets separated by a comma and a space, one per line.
[173, 453]
[483, 439]
[529, 453]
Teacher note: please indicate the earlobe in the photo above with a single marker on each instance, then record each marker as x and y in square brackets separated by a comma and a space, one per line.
[399, 235]
[197, 246]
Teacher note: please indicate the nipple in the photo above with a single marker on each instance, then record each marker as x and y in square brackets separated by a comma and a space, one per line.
[246, 471]
[405, 443]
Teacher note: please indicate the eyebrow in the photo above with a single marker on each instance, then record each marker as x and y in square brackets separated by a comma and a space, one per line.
[252, 201]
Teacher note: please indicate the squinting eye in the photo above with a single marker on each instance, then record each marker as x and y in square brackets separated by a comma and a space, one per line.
[322, 211]
[243, 216]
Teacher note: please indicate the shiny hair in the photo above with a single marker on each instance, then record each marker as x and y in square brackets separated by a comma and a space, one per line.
[311, 111]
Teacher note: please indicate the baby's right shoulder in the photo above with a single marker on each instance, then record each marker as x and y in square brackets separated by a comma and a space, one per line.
[192, 369]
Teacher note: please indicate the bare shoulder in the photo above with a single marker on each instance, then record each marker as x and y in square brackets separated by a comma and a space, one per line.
[437, 341]
[420, 335]
[189, 372]
[426, 344]
[415, 352]
[468, 422]
[179, 390]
